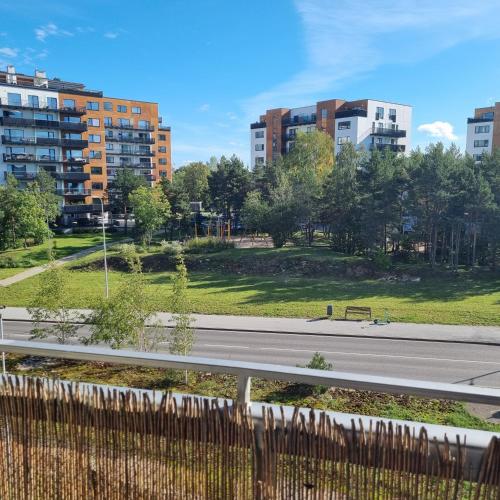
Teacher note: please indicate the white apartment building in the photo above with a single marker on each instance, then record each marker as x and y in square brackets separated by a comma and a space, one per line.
[483, 131]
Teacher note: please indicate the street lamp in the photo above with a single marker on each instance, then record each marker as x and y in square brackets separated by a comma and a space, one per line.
[1, 336]
[104, 246]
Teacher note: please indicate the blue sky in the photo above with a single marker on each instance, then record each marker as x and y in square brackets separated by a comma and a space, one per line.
[215, 65]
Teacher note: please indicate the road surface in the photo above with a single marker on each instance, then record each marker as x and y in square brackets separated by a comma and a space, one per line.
[437, 361]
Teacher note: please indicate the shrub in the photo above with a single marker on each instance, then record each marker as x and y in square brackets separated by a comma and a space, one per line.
[207, 245]
[381, 260]
[11, 263]
[170, 248]
[319, 362]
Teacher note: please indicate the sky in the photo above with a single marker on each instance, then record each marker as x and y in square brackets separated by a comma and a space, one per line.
[215, 65]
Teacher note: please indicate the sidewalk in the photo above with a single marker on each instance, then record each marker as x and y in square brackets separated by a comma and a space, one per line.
[361, 329]
[33, 271]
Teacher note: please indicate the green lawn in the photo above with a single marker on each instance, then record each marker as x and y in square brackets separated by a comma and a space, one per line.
[465, 298]
[63, 246]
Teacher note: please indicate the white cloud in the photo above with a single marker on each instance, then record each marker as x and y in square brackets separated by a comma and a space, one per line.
[204, 108]
[8, 52]
[345, 39]
[437, 129]
[111, 35]
[50, 29]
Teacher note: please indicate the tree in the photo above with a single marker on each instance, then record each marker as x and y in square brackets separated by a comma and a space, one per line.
[194, 180]
[254, 212]
[179, 206]
[182, 337]
[151, 210]
[49, 305]
[44, 188]
[126, 318]
[124, 184]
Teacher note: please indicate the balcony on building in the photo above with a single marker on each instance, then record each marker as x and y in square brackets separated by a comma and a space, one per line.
[71, 176]
[351, 113]
[32, 158]
[300, 120]
[45, 141]
[38, 105]
[131, 140]
[21, 175]
[258, 125]
[131, 153]
[395, 148]
[83, 208]
[74, 192]
[30, 122]
[480, 120]
[149, 128]
[388, 132]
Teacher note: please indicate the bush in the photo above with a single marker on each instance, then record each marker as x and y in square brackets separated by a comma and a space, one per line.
[207, 245]
[170, 248]
[381, 260]
[11, 263]
[319, 362]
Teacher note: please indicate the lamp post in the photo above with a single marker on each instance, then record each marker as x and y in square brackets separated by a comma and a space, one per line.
[104, 246]
[1, 336]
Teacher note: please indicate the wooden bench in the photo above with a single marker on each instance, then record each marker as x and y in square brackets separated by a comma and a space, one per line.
[361, 311]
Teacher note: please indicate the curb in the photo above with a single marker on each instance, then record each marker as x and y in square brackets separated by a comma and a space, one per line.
[317, 334]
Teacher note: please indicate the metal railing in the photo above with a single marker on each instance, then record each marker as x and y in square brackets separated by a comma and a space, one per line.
[35, 123]
[31, 158]
[388, 132]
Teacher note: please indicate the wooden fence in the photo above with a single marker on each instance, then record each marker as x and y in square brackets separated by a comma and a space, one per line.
[60, 442]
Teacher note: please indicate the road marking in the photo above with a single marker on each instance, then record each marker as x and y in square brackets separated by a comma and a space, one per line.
[226, 346]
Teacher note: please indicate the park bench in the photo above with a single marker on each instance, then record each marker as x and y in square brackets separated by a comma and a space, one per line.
[360, 311]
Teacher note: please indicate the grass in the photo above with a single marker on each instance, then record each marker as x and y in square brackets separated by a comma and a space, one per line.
[224, 386]
[64, 245]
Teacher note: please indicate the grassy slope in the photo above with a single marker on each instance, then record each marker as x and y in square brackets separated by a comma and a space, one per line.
[445, 298]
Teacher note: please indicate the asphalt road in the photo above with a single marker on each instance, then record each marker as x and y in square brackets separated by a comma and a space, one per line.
[444, 362]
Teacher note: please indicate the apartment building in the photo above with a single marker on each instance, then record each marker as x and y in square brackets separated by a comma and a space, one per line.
[81, 137]
[367, 123]
[483, 131]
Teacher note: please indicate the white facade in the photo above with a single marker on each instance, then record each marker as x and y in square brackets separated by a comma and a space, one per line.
[479, 137]
[258, 146]
[382, 125]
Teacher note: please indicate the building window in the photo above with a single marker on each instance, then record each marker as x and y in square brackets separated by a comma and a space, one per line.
[481, 143]
[109, 146]
[343, 140]
[92, 105]
[94, 138]
[489, 115]
[110, 159]
[144, 124]
[477, 157]
[97, 185]
[69, 103]
[163, 161]
[108, 121]
[379, 115]
[482, 129]
[93, 122]
[324, 114]
[344, 125]
[121, 108]
[108, 106]
[259, 134]
[52, 102]
[259, 147]
[49, 134]
[33, 101]
[44, 116]
[162, 149]
[13, 99]
[96, 170]
[136, 110]
[259, 160]
[95, 154]
[162, 137]
[124, 122]
[392, 114]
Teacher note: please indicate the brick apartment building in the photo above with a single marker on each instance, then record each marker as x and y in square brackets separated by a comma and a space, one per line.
[79, 136]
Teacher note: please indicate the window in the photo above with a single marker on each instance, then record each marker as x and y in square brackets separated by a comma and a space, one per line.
[343, 140]
[74, 153]
[136, 110]
[259, 160]
[109, 146]
[121, 108]
[44, 116]
[482, 129]
[72, 119]
[97, 185]
[108, 106]
[124, 122]
[489, 115]
[13, 99]
[52, 102]
[95, 154]
[162, 137]
[94, 138]
[108, 121]
[93, 122]
[144, 124]
[481, 143]
[477, 157]
[392, 114]
[45, 134]
[92, 105]
[259, 134]
[46, 154]
[69, 103]
[344, 125]
[162, 149]
[14, 132]
[96, 170]
[324, 114]
[379, 115]
[259, 147]
[163, 161]
[110, 159]
[33, 101]
[77, 137]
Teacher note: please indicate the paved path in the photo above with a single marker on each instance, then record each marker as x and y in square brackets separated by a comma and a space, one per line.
[363, 329]
[33, 271]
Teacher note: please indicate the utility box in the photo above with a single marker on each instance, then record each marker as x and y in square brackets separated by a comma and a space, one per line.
[329, 310]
